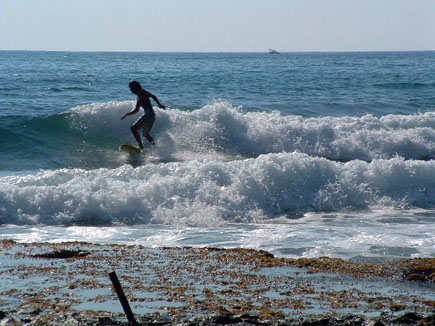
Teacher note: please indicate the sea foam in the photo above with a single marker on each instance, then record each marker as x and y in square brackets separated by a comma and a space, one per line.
[212, 192]
[222, 129]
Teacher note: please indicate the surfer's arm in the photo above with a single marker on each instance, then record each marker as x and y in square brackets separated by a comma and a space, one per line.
[134, 111]
[157, 101]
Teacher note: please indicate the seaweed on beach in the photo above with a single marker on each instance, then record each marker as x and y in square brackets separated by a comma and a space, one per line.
[182, 283]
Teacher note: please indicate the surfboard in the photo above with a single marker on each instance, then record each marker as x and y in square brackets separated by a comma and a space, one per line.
[130, 149]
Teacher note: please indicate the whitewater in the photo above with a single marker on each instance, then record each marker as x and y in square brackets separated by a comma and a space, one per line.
[222, 173]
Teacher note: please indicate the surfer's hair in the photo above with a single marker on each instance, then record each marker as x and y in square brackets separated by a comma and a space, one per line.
[135, 86]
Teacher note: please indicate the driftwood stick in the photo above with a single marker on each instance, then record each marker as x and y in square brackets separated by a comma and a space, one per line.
[124, 302]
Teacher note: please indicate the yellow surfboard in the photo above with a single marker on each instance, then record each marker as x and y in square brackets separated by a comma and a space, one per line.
[130, 149]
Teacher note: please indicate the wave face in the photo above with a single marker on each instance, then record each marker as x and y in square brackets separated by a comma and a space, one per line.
[88, 136]
[211, 192]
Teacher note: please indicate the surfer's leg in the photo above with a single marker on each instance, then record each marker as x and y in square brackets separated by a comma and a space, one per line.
[147, 125]
[136, 136]
[149, 138]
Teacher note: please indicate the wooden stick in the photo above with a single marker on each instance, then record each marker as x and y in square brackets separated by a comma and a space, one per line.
[124, 302]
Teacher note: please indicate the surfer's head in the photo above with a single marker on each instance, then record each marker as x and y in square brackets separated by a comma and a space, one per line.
[134, 86]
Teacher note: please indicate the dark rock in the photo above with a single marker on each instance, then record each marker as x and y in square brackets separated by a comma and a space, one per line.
[251, 319]
[63, 254]
[227, 320]
[266, 254]
[415, 277]
[321, 322]
[105, 321]
[378, 323]
[429, 320]
[353, 321]
[409, 318]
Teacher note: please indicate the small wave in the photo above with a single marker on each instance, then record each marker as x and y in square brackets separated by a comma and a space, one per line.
[214, 192]
[405, 85]
[55, 89]
[69, 89]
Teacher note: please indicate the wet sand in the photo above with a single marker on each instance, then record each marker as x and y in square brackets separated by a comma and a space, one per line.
[68, 283]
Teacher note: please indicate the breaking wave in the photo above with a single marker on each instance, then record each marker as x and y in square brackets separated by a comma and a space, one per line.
[211, 192]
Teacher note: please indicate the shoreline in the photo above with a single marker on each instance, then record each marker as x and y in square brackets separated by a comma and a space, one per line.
[42, 282]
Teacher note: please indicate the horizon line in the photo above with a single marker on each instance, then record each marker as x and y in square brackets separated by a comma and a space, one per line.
[216, 52]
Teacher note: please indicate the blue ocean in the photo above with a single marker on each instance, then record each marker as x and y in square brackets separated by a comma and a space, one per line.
[300, 154]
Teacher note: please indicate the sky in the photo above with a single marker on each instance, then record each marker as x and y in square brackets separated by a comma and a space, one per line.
[217, 25]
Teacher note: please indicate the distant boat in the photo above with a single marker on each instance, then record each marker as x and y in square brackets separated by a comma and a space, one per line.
[273, 51]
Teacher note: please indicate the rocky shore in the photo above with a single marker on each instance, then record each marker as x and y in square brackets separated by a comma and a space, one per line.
[37, 316]
[68, 284]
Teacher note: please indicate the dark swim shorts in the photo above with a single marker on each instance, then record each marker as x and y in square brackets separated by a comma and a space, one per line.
[145, 123]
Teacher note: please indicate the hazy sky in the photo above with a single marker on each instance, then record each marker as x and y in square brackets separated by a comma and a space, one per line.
[217, 25]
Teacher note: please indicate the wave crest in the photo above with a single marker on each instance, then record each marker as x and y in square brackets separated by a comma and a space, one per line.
[221, 128]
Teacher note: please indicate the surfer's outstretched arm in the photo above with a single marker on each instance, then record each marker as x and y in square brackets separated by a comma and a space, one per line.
[134, 111]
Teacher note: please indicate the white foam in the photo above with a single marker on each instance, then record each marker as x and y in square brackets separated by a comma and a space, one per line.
[213, 192]
[221, 130]
[373, 235]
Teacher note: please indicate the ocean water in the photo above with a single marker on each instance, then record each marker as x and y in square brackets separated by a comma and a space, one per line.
[300, 154]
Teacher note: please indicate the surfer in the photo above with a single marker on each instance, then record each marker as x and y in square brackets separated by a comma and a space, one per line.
[146, 121]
